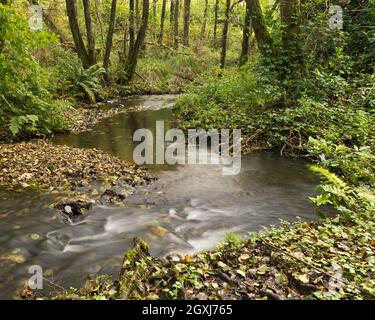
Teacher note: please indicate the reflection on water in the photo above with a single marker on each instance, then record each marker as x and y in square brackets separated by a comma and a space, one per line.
[188, 209]
[115, 135]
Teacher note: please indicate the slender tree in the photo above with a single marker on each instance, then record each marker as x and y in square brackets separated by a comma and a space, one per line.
[2, 41]
[204, 23]
[133, 55]
[176, 22]
[131, 26]
[162, 19]
[71, 7]
[125, 44]
[186, 22]
[137, 15]
[264, 40]
[154, 4]
[111, 30]
[246, 36]
[224, 38]
[171, 13]
[99, 21]
[89, 32]
[216, 21]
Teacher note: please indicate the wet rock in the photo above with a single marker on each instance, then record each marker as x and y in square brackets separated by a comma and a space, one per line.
[74, 209]
[112, 196]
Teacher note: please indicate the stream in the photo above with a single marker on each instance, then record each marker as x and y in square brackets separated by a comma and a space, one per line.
[189, 208]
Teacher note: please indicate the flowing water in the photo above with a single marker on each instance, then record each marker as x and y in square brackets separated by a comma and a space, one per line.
[188, 209]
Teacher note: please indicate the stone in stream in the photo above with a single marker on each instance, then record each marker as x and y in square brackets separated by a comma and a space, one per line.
[73, 209]
[113, 196]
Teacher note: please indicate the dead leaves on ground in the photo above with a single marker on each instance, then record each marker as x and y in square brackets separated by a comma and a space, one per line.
[43, 165]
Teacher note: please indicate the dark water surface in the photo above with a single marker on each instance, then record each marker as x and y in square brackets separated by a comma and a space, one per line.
[188, 209]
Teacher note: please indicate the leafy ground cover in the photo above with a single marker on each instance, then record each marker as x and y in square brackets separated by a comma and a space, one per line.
[54, 168]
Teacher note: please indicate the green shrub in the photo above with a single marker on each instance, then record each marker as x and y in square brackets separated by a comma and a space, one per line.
[26, 105]
[84, 83]
[355, 164]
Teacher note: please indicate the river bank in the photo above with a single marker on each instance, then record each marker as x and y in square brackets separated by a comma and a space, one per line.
[324, 260]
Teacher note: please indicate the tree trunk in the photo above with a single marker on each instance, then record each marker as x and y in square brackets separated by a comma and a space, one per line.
[224, 39]
[100, 23]
[131, 26]
[264, 40]
[171, 13]
[71, 7]
[111, 30]
[204, 23]
[125, 45]
[3, 2]
[216, 21]
[154, 2]
[186, 22]
[137, 15]
[175, 29]
[90, 34]
[246, 36]
[162, 18]
[290, 13]
[133, 55]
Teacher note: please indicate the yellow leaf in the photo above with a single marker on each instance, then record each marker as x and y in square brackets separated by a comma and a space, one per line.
[304, 278]
[244, 256]
[242, 273]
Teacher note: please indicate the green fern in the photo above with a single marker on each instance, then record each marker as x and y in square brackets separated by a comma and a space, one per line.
[84, 81]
